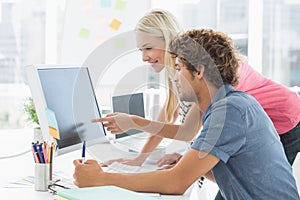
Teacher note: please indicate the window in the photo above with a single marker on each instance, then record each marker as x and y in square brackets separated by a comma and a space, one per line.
[267, 31]
[31, 32]
[21, 43]
[281, 41]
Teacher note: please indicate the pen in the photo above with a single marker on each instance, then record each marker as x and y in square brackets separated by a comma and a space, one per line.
[40, 160]
[83, 152]
[40, 152]
[36, 158]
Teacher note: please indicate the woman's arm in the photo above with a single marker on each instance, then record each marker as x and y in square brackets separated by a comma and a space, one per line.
[152, 142]
[119, 122]
[209, 175]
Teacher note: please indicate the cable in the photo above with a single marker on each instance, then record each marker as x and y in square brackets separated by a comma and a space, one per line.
[15, 155]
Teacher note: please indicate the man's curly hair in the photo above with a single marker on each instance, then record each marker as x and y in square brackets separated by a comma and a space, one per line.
[214, 50]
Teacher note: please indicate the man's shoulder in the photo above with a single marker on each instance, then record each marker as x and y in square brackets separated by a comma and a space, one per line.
[236, 100]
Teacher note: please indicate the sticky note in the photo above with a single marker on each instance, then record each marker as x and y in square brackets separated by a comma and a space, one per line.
[120, 43]
[51, 118]
[52, 123]
[87, 5]
[99, 39]
[84, 33]
[105, 3]
[54, 132]
[101, 19]
[115, 24]
[120, 5]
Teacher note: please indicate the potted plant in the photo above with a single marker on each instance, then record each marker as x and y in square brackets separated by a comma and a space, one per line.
[32, 117]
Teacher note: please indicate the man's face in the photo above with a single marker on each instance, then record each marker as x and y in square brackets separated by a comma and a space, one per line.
[185, 82]
[153, 50]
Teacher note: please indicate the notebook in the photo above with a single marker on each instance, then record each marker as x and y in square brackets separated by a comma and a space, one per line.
[101, 192]
[132, 140]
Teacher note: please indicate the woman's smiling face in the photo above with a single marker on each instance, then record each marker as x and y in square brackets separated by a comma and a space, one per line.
[153, 50]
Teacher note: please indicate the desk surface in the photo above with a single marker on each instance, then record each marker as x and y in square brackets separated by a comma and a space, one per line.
[13, 169]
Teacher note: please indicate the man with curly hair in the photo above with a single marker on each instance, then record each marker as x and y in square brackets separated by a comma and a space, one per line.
[238, 146]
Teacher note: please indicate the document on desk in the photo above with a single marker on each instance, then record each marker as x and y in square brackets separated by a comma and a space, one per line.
[102, 192]
[28, 181]
[25, 182]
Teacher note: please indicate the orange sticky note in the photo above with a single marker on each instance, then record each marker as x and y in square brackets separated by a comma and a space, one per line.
[54, 132]
[115, 24]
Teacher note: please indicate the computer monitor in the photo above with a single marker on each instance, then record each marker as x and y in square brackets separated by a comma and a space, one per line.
[68, 91]
[131, 104]
[132, 140]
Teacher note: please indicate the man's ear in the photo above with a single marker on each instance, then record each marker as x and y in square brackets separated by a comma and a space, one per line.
[200, 72]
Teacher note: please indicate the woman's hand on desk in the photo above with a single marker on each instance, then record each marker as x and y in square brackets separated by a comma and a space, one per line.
[133, 162]
[169, 160]
[106, 163]
[87, 174]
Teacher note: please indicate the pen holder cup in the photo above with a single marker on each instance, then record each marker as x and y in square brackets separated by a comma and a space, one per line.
[43, 176]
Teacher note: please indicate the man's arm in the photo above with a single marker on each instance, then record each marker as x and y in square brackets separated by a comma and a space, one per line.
[171, 181]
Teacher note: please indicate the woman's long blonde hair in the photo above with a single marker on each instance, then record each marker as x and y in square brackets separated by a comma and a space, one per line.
[163, 25]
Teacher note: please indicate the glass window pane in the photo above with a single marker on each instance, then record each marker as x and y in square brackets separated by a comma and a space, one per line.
[22, 30]
[281, 43]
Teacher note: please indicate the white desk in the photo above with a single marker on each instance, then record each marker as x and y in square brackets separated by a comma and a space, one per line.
[12, 169]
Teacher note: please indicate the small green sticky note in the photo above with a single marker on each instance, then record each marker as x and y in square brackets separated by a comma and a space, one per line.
[120, 43]
[120, 5]
[84, 33]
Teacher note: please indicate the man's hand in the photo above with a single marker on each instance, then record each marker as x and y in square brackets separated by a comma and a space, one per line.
[88, 174]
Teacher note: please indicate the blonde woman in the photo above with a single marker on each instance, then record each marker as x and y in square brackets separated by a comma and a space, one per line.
[154, 32]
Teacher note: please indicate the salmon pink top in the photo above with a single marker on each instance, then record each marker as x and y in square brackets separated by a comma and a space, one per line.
[280, 103]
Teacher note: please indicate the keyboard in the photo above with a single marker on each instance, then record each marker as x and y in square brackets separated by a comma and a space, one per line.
[117, 167]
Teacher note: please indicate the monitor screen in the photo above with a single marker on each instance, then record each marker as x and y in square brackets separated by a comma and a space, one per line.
[68, 92]
[131, 104]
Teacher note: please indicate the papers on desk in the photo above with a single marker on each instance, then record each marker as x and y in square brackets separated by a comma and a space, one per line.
[21, 183]
[28, 181]
[103, 193]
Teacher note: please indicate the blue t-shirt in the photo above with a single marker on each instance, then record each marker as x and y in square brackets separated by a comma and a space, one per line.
[252, 161]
